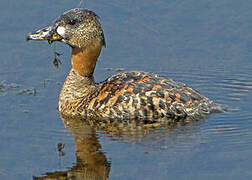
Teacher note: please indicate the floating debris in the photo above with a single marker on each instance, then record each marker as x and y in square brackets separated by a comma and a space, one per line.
[13, 86]
[28, 92]
[60, 147]
[4, 87]
[56, 61]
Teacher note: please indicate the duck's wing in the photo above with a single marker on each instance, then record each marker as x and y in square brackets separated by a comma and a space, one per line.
[134, 95]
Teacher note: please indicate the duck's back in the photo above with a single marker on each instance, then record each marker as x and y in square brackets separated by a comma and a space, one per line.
[140, 95]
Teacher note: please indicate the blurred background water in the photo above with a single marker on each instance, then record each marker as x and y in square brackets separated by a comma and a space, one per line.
[205, 44]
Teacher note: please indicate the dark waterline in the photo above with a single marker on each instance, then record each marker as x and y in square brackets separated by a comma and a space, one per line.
[206, 45]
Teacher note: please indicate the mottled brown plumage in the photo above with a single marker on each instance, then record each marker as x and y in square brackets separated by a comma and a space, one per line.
[131, 95]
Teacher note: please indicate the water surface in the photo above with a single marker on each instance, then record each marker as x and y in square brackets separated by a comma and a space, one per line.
[206, 45]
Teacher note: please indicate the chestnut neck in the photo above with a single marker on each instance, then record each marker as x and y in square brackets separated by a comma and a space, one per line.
[84, 59]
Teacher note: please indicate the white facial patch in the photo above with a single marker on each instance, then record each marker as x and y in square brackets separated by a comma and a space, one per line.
[61, 31]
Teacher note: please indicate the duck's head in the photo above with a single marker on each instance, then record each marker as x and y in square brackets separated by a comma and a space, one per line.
[79, 28]
[76, 27]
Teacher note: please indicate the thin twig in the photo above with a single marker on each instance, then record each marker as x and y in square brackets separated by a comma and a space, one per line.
[81, 1]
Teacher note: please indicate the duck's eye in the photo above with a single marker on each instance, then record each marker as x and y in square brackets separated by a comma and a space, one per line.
[72, 22]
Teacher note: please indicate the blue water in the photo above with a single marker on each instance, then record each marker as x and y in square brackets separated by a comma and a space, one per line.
[205, 44]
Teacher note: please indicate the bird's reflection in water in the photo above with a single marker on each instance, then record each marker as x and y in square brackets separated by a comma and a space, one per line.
[91, 162]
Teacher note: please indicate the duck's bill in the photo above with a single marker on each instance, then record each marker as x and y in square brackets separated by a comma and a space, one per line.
[46, 34]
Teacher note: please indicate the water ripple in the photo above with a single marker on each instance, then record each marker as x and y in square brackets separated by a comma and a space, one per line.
[230, 130]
